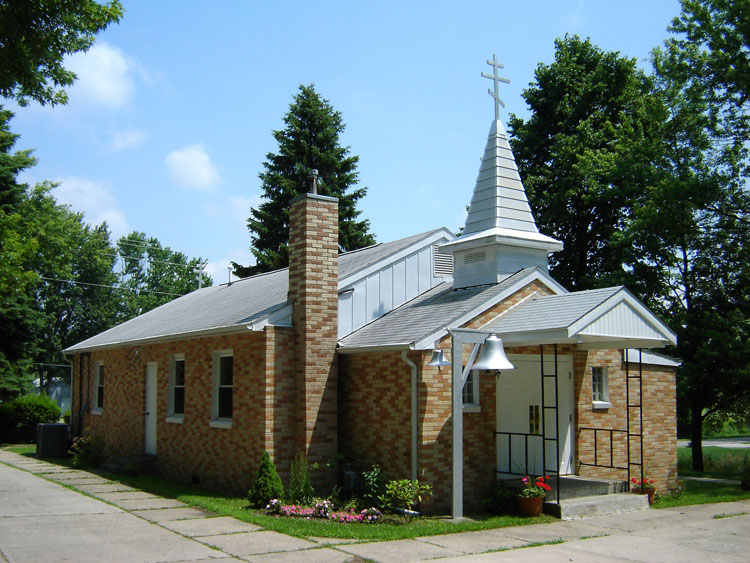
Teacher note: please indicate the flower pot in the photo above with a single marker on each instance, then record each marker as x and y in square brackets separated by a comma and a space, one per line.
[649, 492]
[530, 506]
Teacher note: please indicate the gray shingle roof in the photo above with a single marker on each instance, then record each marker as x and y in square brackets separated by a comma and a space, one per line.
[426, 314]
[201, 310]
[552, 311]
[230, 306]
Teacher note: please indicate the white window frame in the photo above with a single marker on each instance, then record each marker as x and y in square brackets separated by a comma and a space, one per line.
[217, 422]
[172, 416]
[600, 390]
[470, 392]
[99, 381]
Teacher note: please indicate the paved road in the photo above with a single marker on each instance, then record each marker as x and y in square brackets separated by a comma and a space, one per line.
[41, 520]
[721, 442]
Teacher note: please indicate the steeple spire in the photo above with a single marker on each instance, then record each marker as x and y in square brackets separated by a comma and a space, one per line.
[500, 235]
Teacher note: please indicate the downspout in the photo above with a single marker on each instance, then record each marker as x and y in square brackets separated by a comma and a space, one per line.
[414, 414]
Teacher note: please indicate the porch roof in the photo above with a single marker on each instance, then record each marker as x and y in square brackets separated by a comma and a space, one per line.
[602, 318]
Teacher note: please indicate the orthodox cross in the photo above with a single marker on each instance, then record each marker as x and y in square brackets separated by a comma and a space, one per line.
[495, 77]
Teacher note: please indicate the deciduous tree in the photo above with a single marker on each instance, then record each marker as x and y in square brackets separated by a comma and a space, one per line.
[35, 37]
[153, 274]
[584, 155]
[694, 227]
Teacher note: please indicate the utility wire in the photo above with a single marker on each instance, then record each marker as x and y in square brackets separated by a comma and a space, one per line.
[112, 286]
[126, 257]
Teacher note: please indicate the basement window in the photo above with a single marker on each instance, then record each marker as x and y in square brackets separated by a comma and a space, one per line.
[600, 387]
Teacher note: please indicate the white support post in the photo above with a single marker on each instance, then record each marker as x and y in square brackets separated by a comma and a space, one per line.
[458, 428]
[459, 337]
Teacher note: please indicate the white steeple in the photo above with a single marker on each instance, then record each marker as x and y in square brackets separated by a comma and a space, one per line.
[500, 235]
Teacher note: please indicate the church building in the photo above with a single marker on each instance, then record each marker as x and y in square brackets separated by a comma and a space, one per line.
[452, 360]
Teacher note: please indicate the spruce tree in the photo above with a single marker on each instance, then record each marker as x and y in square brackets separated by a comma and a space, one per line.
[309, 141]
[267, 485]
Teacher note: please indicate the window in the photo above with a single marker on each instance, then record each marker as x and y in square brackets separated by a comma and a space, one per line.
[600, 387]
[223, 387]
[470, 392]
[98, 388]
[535, 421]
[176, 388]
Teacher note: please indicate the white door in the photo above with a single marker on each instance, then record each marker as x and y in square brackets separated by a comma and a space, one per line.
[519, 413]
[150, 442]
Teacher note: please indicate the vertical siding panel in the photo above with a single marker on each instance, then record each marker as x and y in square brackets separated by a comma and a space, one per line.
[425, 271]
[399, 283]
[386, 289]
[359, 304]
[373, 297]
[412, 276]
[345, 314]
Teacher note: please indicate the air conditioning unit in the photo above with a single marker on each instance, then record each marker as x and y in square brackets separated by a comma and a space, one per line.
[52, 439]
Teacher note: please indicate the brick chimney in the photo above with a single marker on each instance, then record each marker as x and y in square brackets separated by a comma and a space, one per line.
[313, 290]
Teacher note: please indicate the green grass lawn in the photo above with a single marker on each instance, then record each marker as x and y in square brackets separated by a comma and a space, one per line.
[393, 528]
[703, 492]
[719, 463]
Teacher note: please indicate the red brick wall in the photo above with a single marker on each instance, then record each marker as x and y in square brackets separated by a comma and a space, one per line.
[219, 457]
[313, 290]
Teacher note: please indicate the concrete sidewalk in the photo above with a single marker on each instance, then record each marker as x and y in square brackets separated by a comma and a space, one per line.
[42, 521]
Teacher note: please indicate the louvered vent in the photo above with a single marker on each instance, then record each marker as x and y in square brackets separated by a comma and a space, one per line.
[474, 257]
[442, 264]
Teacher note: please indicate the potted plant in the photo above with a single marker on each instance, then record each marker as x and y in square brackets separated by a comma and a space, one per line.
[531, 497]
[643, 487]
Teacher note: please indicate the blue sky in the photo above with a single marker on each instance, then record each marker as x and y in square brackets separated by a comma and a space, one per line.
[171, 118]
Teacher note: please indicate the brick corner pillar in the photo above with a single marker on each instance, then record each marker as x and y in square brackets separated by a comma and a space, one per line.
[313, 291]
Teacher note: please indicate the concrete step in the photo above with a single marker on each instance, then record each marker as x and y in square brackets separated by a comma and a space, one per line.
[572, 486]
[597, 505]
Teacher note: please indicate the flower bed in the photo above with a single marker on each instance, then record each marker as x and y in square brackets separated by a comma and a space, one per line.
[325, 511]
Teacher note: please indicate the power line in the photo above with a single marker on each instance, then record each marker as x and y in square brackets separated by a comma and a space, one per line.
[112, 286]
[125, 257]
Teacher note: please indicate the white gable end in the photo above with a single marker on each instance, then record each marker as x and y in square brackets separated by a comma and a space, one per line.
[389, 284]
[624, 322]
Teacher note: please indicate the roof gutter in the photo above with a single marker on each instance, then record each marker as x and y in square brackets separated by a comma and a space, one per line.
[368, 349]
[166, 338]
[414, 414]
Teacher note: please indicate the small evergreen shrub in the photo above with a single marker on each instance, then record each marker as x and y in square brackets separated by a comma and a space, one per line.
[745, 481]
[88, 451]
[267, 485]
[21, 415]
[300, 487]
